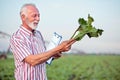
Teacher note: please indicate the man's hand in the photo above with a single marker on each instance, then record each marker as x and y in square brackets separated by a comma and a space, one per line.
[66, 45]
[56, 56]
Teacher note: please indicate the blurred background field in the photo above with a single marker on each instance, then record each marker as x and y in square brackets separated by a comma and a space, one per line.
[98, 59]
[73, 67]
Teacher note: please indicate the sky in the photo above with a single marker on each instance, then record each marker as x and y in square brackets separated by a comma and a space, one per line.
[62, 16]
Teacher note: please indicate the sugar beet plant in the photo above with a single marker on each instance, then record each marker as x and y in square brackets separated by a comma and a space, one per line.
[86, 28]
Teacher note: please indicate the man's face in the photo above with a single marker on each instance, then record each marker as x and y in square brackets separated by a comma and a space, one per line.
[32, 17]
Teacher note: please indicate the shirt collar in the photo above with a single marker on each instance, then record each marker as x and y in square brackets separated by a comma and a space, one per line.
[27, 31]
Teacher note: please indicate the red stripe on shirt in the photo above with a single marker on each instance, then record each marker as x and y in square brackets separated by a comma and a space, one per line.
[24, 43]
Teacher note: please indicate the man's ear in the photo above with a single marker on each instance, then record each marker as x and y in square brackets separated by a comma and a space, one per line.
[23, 17]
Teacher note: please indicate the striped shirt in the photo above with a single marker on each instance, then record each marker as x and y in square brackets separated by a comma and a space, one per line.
[24, 43]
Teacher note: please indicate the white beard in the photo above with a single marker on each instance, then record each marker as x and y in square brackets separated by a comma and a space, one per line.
[31, 25]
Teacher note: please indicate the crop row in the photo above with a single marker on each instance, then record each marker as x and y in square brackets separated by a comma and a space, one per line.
[73, 67]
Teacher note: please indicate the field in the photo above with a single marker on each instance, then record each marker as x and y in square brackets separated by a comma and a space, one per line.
[74, 67]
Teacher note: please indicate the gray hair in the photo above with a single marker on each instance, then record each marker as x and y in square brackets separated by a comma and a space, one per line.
[24, 8]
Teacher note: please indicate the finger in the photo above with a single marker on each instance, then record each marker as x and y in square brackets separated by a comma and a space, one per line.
[57, 56]
[71, 41]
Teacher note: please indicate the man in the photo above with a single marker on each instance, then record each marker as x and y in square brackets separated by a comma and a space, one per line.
[28, 47]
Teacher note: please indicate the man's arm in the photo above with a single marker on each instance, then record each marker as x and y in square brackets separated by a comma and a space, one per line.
[43, 57]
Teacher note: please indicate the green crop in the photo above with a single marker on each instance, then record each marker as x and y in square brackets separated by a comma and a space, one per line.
[86, 28]
[73, 67]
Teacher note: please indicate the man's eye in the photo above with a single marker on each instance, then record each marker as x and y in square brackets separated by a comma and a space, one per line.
[35, 15]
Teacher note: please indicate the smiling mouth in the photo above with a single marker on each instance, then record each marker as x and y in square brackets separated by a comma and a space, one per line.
[35, 23]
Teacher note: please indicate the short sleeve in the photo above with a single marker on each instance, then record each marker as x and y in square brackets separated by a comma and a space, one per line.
[20, 48]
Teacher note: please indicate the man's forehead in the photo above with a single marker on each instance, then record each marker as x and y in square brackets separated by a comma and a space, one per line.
[32, 9]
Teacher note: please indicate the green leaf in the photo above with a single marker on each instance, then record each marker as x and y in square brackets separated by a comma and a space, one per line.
[86, 28]
[100, 31]
[90, 20]
[81, 21]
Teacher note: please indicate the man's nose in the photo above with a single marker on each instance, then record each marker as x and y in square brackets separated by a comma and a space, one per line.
[38, 18]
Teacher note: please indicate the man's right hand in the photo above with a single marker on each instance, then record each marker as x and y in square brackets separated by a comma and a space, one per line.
[66, 45]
